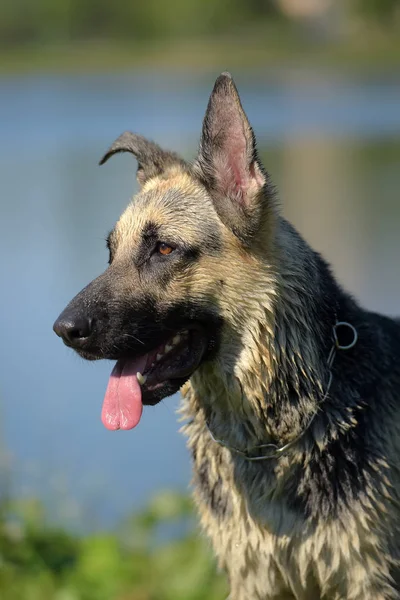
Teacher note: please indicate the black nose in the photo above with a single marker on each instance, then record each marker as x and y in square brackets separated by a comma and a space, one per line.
[74, 330]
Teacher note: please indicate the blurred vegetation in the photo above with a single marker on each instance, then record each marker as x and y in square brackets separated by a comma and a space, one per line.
[41, 562]
[25, 21]
[100, 34]
[383, 10]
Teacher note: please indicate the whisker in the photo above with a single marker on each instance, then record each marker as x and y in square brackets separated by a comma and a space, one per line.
[167, 406]
[129, 335]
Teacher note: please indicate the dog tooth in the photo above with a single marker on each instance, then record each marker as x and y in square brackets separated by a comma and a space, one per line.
[176, 339]
[159, 356]
[168, 348]
[141, 378]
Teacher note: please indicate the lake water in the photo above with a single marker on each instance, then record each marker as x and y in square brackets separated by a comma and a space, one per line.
[332, 146]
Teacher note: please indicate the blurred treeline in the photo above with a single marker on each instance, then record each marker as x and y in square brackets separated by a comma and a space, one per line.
[49, 20]
[46, 21]
[42, 562]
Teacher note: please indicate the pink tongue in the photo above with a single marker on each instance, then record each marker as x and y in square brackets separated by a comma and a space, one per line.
[122, 405]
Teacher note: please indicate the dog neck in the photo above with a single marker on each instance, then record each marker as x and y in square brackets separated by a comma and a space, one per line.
[267, 389]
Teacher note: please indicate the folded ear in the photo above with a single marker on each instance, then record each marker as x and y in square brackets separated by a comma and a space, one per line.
[227, 162]
[152, 160]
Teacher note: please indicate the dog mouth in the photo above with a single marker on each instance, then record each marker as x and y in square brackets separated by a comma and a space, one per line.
[148, 378]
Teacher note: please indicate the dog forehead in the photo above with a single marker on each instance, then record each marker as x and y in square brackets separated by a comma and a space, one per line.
[177, 204]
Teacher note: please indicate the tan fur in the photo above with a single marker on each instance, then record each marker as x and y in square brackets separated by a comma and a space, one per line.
[264, 546]
[259, 542]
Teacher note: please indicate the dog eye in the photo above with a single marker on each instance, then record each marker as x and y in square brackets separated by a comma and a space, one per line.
[164, 249]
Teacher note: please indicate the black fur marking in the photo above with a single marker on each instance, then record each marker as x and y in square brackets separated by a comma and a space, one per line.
[150, 230]
[365, 384]
[110, 243]
[212, 492]
[137, 324]
[153, 265]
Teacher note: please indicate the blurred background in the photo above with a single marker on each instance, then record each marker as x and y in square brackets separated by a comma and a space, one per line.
[86, 514]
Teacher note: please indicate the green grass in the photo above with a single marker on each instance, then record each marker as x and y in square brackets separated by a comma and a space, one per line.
[41, 562]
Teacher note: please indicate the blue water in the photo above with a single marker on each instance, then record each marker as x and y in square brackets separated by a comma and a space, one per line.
[333, 147]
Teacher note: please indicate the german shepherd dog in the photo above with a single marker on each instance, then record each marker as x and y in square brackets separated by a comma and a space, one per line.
[290, 389]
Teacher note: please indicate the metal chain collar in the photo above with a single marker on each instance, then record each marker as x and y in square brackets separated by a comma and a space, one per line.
[277, 451]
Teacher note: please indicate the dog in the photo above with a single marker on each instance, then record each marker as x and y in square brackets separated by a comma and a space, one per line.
[290, 390]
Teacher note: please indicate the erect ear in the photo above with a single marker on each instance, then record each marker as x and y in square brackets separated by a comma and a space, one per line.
[227, 162]
[152, 160]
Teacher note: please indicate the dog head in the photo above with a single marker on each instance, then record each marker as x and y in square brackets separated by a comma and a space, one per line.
[182, 264]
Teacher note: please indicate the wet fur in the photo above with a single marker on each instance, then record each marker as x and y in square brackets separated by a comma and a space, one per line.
[322, 521]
